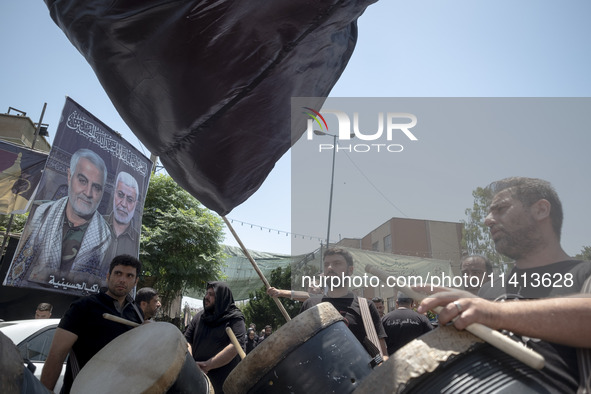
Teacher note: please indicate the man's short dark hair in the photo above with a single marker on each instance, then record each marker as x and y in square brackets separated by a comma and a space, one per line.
[340, 251]
[145, 294]
[529, 191]
[377, 299]
[404, 301]
[268, 326]
[487, 264]
[127, 260]
[44, 306]
[402, 298]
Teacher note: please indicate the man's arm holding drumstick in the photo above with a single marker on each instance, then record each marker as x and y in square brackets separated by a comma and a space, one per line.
[61, 345]
[569, 316]
[219, 360]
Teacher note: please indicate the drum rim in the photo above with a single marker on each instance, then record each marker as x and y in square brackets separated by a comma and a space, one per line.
[161, 383]
[435, 348]
[11, 365]
[250, 370]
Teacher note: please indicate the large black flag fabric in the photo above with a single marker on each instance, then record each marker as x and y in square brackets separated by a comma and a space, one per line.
[206, 85]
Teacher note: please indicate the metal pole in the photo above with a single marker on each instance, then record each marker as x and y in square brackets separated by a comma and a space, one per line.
[6, 236]
[38, 127]
[8, 227]
[334, 150]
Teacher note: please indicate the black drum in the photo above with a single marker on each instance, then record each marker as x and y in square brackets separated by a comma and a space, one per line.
[151, 358]
[15, 377]
[313, 353]
[446, 360]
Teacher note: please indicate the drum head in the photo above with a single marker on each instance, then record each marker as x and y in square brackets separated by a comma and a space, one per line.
[146, 359]
[417, 358]
[275, 348]
[446, 360]
[11, 365]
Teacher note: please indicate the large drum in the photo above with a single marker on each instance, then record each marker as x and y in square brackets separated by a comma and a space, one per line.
[151, 358]
[14, 376]
[313, 353]
[446, 360]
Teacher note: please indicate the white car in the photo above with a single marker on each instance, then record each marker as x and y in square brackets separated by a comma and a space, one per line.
[33, 338]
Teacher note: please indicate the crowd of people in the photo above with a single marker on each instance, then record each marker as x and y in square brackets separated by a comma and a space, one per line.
[525, 218]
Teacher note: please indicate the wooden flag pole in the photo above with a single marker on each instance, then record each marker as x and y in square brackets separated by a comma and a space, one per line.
[256, 268]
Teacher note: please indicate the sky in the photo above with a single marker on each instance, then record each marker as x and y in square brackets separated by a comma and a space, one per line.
[419, 49]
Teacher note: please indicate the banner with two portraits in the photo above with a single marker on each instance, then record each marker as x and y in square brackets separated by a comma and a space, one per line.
[87, 210]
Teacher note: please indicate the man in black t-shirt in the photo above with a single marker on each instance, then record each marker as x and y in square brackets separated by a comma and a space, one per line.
[525, 220]
[339, 263]
[83, 331]
[402, 325]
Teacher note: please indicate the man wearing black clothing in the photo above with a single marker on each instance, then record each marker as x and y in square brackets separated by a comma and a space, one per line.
[525, 220]
[83, 331]
[268, 331]
[207, 338]
[402, 325]
[339, 263]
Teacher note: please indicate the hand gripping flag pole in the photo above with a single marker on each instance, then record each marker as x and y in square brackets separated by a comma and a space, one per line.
[256, 268]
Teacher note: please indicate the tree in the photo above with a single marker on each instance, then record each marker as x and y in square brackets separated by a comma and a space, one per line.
[585, 253]
[14, 224]
[476, 237]
[17, 224]
[262, 310]
[180, 242]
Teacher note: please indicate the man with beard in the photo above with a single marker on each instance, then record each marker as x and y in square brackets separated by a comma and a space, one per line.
[552, 315]
[475, 271]
[149, 302]
[83, 331]
[338, 263]
[68, 239]
[206, 335]
[125, 235]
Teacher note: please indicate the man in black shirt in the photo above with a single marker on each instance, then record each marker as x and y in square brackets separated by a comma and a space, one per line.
[268, 331]
[149, 302]
[402, 325]
[338, 263]
[207, 338]
[551, 316]
[83, 331]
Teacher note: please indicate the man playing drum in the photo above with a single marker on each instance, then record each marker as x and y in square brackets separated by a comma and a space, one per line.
[525, 219]
[83, 331]
[149, 302]
[338, 263]
[206, 335]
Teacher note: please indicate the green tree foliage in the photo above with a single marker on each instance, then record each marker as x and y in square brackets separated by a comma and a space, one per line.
[476, 237]
[180, 242]
[17, 224]
[585, 253]
[262, 310]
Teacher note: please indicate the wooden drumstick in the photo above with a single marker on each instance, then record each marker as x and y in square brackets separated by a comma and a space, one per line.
[256, 268]
[234, 341]
[520, 352]
[121, 320]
